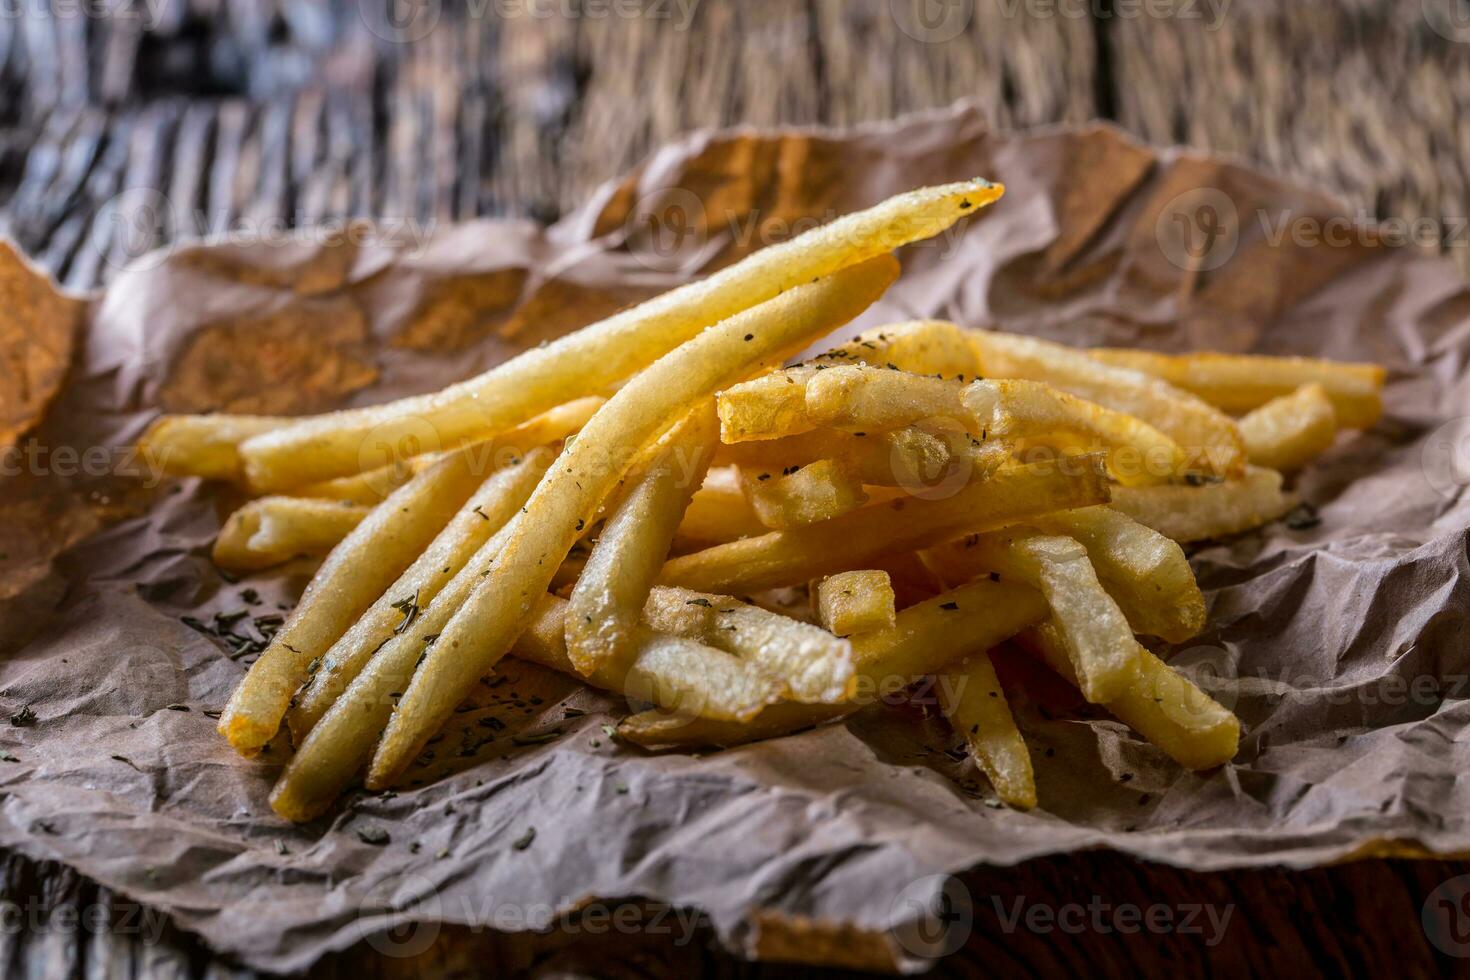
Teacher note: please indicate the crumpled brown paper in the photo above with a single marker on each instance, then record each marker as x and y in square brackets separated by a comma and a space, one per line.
[1340, 644]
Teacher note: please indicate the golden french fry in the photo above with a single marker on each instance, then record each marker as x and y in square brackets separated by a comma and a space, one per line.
[856, 602]
[1288, 432]
[1162, 705]
[1145, 572]
[486, 512]
[356, 572]
[1213, 510]
[719, 512]
[808, 664]
[203, 445]
[1033, 413]
[372, 486]
[774, 405]
[863, 398]
[594, 359]
[589, 470]
[1207, 435]
[818, 491]
[1242, 382]
[273, 530]
[925, 639]
[856, 539]
[971, 698]
[607, 601]
[908, 456]
[1096, 634]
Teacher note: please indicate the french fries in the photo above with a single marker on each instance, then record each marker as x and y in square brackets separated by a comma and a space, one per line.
[774, 405]
[1213, 510]
[719, 512]
[856, 602]
[355, 574]
[1242, 382]
[971, 698]
[925, 638]
[1095, 633]
[607, 601]
[818, 491]
[203, 445]
[485, 513]
[1030, 413]
[273, 530]
[1145, 572]
[924, 492]
[810, 665]
[483, 630]
[1162, 705]
[594, 359]
[1289, 432]
[1208, 436]
[853, 540]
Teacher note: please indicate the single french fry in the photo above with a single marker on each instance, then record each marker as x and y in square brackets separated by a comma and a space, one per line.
[1242, 382]
[1162, 705]
[856, 602]
[1213, 510]
[818, 491]
[810, 665]
[356, 572]
[857, 539]
[971, 698]
[203, 445]
[596, 358]
[1033, 413]
[862, 398]
[774, 405]
[925, 639]
[1097, 636]
[1289, 432]
[719, 512]
[908, 456]
[273, 530]
[590, 468]
[607, 601]
[487, 511]
[1207, 435]
[372, 486]
[1145, 572]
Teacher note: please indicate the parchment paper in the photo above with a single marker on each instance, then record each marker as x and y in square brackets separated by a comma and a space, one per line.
[1339, 644]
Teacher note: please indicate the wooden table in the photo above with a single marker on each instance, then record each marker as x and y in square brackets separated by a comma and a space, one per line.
[252, 113]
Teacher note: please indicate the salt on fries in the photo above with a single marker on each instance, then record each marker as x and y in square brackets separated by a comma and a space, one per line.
[641, 504]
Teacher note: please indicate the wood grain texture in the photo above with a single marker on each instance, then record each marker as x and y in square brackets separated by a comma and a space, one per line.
[122, 133]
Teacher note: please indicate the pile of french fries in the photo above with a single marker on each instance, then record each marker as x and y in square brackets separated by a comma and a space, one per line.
[657, 506]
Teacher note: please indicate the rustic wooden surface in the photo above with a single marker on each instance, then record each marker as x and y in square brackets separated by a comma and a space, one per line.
[248, 113]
